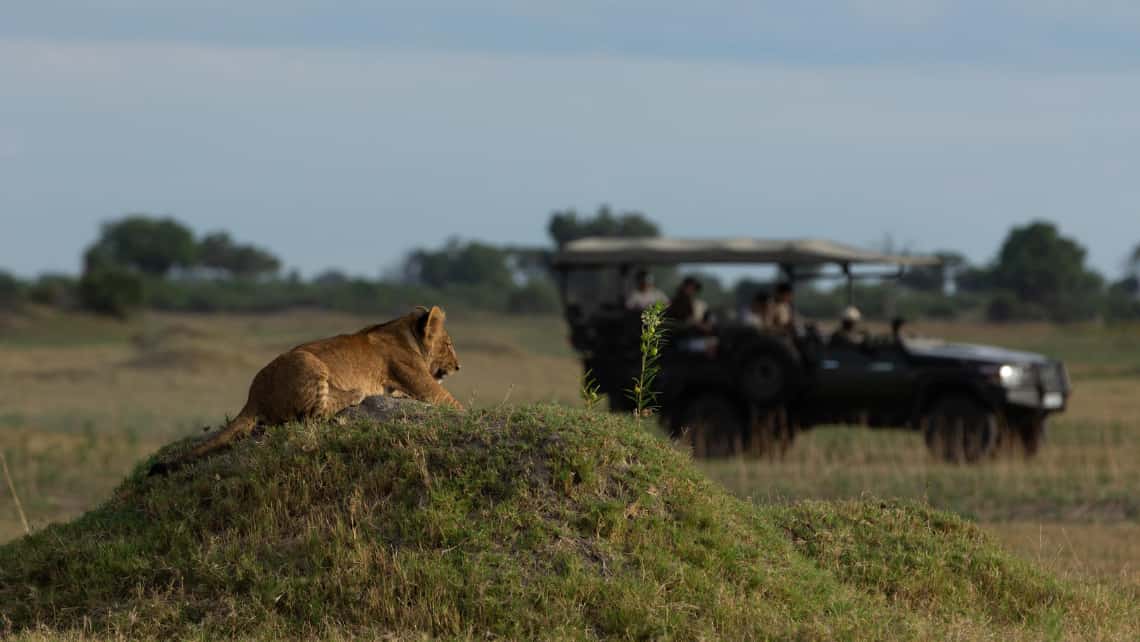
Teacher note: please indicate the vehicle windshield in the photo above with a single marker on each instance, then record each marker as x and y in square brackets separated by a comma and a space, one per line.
[591, 290]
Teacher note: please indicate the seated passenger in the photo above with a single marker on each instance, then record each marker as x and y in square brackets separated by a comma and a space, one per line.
[686, 307]
[848, 335]
[781, 316]
[757, 313]
[644, 295]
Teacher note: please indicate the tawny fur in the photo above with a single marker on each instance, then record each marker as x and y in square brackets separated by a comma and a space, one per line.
[408, 356]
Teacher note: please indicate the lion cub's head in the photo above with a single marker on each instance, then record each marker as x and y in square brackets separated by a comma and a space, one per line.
[442, 360]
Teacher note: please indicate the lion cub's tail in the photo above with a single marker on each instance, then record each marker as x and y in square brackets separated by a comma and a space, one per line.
[239, 426]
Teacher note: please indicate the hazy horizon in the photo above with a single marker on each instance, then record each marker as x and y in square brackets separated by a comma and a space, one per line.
[342, 138]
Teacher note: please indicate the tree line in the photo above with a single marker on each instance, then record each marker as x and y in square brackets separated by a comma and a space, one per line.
[142, 261]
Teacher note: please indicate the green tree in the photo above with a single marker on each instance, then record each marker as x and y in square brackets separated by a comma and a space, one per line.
[568, 225]
[107, 288]
[1124, 295]
[152, 246]
[1041, 267]
[1132, 265]
[11, 290]
[459, 263]
[976, 279]
[1129, 285]
[219, 252]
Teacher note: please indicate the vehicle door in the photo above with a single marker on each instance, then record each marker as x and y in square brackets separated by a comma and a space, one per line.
[865, 376]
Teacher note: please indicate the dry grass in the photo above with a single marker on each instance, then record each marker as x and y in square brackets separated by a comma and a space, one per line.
[1109, 551]
[82, 400]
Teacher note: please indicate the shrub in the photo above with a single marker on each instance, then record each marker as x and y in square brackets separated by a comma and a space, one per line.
[1004, 307]
[54, 289]
[12, 292]
[110, 290]
[536, 297]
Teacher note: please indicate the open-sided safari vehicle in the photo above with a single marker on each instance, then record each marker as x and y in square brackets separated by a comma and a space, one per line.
[730, 387]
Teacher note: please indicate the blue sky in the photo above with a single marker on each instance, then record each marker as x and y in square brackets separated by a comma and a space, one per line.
[341, 134]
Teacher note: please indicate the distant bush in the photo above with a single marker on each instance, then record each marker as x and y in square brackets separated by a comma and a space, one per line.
[1121, 304]
[536, 297]
[111, 290]
[12, 291]
[356, 296]
[58, 290]
[1005, 307]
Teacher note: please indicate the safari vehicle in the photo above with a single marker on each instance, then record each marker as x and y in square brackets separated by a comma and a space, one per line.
[733, 388]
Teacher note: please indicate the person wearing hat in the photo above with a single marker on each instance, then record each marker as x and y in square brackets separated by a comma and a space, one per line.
[644, 294]
[848, 334]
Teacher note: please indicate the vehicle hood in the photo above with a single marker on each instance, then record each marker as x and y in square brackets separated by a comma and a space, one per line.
[937, 349]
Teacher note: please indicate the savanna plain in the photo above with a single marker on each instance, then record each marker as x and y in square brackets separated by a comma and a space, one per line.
[83, 400]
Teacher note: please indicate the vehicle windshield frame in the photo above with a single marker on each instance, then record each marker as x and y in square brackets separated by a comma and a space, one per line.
[797, 260]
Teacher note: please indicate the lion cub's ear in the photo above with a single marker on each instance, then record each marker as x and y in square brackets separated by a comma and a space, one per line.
[430, 324]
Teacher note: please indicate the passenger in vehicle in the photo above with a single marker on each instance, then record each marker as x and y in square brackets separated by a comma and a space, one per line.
[848, 335]
[756, 315]
[781, 316]
[644, 294]
[686, 307]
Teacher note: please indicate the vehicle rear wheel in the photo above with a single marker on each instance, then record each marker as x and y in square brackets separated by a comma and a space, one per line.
[960, 429]
[768, 377]
[713, 425]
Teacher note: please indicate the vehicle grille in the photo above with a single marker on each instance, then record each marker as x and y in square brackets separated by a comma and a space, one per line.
[1053, 377]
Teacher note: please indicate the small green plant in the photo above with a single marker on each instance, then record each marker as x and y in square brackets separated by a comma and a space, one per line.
[589, 390]
[653, 332]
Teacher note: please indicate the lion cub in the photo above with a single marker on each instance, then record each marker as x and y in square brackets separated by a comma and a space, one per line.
[409, 356]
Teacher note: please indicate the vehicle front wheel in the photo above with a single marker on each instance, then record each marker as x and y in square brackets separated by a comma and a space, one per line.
[1031, 433]
[959, 429]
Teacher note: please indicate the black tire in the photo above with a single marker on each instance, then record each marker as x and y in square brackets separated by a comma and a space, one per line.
[960, 429]
[712, 425]
[1031, 434]
[769, 377]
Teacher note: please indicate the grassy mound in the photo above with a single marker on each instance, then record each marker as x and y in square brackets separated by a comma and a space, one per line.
[522, 522]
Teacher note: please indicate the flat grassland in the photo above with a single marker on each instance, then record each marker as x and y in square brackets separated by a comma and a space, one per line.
[83, 400]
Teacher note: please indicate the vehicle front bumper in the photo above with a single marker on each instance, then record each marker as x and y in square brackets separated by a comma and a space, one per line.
[1048, 391]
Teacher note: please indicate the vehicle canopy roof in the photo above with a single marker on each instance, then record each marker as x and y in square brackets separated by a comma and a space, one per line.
[606, 251]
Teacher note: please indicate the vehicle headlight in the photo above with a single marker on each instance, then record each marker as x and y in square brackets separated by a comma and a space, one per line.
[1014, 376]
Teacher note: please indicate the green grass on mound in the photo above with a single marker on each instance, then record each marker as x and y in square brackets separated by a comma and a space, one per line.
[533, 522]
